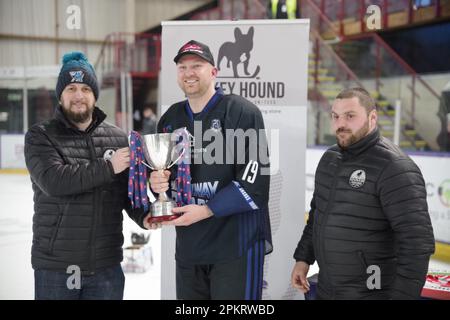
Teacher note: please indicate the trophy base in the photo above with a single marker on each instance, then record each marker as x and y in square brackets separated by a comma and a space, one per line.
[162, 211]
[163, 218]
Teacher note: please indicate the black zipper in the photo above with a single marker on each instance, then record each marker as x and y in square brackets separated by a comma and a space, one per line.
[91, 244]
[325, 219]
[55, 233]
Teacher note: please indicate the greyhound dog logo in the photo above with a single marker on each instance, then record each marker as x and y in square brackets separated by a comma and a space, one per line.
[238, 52]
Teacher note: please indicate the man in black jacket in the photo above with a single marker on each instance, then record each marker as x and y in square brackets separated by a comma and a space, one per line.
[369, 228]
[78, 165]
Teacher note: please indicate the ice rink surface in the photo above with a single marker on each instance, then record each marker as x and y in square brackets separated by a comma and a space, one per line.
[16, 274]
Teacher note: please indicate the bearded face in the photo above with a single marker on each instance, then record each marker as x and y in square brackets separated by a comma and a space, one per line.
[350, 121]
[77, 101]
[346, 137]
[195, 76]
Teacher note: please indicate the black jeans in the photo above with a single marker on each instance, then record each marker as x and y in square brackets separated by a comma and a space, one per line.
[105, 284]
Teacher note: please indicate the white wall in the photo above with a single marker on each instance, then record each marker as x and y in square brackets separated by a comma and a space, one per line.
[149, 13]
[42, 21]
[38, 18]
[11, 151]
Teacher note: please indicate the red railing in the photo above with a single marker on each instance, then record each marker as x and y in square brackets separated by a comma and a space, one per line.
[384, 53]
[345, 11]
[344, 74]
[234, 10]
[321, 22]
[381, 43]
[318, 90]
[140, 53]
[136, 53]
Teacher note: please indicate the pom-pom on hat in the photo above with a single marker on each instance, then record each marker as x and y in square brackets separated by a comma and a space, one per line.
[76, 69]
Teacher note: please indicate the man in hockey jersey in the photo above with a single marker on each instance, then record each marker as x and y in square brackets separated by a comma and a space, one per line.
[368, 228]
[224, 233]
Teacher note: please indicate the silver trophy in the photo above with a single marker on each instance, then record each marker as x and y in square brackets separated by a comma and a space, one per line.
[159, 151]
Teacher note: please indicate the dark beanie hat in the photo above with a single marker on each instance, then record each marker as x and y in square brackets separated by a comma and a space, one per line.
[76, 69]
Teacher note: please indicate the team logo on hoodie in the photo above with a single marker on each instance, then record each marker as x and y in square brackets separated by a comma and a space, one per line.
[357, 178]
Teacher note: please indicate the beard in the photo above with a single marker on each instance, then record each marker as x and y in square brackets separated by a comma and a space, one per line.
[344, 143]
[77, 116]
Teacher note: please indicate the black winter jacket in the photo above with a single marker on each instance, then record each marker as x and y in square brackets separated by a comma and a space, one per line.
[78, 200]
[369, 209]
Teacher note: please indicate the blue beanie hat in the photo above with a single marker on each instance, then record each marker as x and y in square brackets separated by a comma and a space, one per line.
[76, 69]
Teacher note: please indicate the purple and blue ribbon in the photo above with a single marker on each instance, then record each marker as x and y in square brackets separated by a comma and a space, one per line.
[184, 190]
[137, 178]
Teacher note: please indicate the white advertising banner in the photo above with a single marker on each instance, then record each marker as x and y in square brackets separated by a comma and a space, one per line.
[437, 178]
[11, 154]
[29, 72]
[266, 62]
[436, 173]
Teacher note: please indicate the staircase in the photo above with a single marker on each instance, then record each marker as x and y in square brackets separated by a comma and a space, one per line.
[335, 63]
[329, 87]
[364, 60]
[409, 138]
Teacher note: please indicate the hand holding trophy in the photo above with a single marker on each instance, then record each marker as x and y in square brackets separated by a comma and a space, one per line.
[159, 151]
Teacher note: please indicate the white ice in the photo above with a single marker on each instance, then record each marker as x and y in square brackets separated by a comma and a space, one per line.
[16, 273]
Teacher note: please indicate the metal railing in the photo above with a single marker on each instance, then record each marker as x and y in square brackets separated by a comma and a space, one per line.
[377, 67]
[388, 64]
[124, 60]
[349, 15]
[136, 53]
[329, 76]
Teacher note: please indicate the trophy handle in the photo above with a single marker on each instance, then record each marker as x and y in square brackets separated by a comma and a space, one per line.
[147, 165]
[179, 157]
[143, 162]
